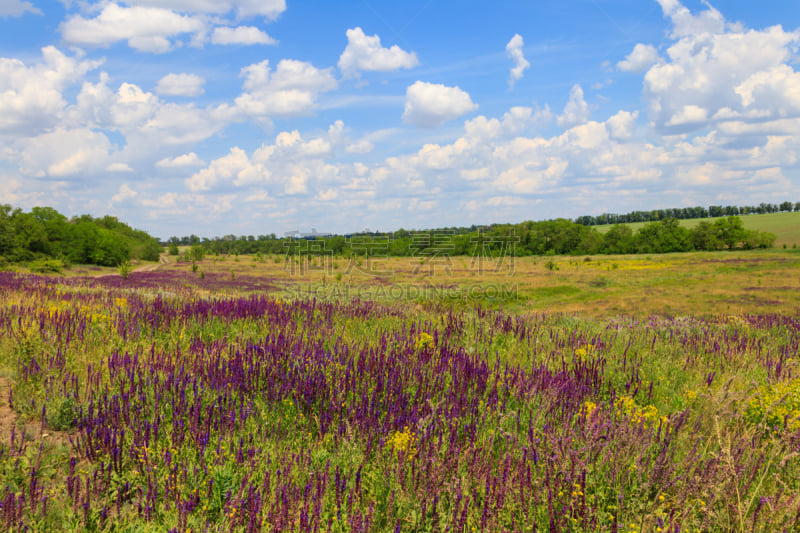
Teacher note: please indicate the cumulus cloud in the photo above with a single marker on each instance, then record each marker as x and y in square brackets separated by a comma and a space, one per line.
[17, 8]
[32, 98]
[289, 165]
[717, 71]
[290, 90]
[640, 59]
[620, 125]
[181, 85]
[430, 104]
[514, 52]
[241, 35]
[124, 194]
[576, 111]
[147, 29]
[62, 153]
[365, 53]
[151, 126]
[186, 160]
[225, 168]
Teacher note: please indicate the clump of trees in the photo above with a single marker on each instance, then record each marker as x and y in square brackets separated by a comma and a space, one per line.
[44, 233]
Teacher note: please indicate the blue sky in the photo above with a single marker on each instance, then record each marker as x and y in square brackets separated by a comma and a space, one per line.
[251, 117]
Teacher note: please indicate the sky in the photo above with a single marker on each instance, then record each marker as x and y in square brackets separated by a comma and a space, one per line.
[252, 117]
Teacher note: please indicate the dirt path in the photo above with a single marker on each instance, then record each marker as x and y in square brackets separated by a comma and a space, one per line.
[8, 418]
[163, 259]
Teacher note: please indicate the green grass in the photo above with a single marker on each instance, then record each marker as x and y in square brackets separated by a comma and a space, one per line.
[785, 226]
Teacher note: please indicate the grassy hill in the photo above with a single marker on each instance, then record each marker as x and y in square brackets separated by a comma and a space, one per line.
[785, 226]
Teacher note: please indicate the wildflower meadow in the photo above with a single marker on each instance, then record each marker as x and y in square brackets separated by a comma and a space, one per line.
[155, 404]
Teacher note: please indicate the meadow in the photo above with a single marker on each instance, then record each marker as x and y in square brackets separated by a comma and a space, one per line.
[613, 393]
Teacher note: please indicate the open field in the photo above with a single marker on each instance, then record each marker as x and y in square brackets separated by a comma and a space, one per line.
[699, 284]
[619, 393]
[785, 226]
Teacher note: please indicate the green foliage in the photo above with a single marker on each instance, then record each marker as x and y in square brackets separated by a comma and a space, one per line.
[196, 253]
[776, 406]
[125, 269]
[551, 265]
[46, 266]
[61, 413]
[45, 233]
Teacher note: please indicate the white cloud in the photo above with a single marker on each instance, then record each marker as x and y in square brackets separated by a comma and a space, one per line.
[365, 53]
[181, 85]
[269, 9]
[685, 23]
[241, 35]
[690, 114]
[125, 193]
[9, 189]
[132, 107]
[431, 105]
[289, 166]
[224, 168]
[620, 125]
[640, 59]
[119, 167]
[17, 8]
[514, 52]
[725, 70]
[148, 29]
[778, 87]
[291, 90]
[576, 111]
[186, 160]
[62, 153]
[361, 147]
[32, 98]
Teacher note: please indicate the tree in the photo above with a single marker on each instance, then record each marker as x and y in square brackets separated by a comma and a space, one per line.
[619, 240]
[705, 236]
[196, 253]
[30, 235]
[7, 233]
[664, 236]
[730, 231]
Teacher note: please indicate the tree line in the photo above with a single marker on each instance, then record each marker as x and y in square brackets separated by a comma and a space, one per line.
[44, 233]
[550, 237]
[682, 213]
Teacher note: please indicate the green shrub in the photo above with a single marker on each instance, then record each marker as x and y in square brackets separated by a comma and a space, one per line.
[61, 413]
[125, 269]
[45, 266]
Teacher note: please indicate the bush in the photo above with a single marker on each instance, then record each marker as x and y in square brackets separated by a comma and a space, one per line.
[46, 266]
[61, 413]
[125, 269]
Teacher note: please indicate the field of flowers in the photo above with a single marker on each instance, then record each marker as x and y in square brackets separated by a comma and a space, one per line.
[157, 404]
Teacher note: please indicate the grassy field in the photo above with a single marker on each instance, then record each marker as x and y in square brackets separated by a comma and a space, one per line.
[785, 226]
[698, 284]
[241, 394]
